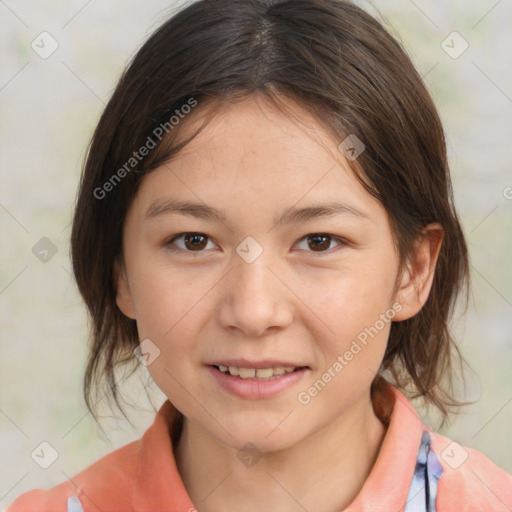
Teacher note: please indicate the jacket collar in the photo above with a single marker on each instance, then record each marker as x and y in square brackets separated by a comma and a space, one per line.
[393, 469]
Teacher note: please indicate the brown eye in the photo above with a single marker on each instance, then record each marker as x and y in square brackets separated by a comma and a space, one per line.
[192, 242]
[320, 242]
[195, 241]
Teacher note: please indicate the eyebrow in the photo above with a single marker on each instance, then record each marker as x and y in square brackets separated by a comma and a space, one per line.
[289, 216]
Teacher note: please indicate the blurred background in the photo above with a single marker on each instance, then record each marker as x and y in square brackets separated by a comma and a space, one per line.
[59, 62]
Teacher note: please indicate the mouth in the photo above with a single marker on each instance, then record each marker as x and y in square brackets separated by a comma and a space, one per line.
[258, 374]
[257, 383]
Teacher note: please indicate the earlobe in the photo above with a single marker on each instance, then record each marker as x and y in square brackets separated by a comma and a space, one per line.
[123, 295]
[417, 278]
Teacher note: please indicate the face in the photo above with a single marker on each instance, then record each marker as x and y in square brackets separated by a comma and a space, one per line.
[309, 291]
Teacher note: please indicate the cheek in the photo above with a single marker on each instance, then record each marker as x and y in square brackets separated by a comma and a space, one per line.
[359, 318]
[354, 317]
[350, 299]
[170, 313]
[167, 301]
[172, 308]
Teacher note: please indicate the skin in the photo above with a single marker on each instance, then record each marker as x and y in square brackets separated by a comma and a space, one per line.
[299, 302]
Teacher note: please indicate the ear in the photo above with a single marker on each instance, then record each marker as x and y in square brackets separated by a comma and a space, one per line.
[123, 295]
[417, 278]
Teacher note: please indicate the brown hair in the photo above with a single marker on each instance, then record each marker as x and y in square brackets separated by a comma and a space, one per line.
[345, 68]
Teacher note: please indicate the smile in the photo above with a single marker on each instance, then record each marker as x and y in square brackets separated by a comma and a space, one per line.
[260, 383]
[258, 373]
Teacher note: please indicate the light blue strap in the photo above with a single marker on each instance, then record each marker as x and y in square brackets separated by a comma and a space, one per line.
[74, 504]
[423, 490]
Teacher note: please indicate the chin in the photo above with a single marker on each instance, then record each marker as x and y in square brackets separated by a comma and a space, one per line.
[259, 437]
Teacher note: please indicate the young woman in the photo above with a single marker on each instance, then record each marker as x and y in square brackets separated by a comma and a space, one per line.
[265, 222]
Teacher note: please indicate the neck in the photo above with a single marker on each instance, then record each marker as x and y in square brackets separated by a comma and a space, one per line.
[323, 472]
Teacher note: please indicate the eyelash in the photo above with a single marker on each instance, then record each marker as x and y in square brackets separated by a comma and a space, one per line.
[168, 243]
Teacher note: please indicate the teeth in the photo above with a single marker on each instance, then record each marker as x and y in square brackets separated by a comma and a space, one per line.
[260, 373]
[264, 373]
[245, 373]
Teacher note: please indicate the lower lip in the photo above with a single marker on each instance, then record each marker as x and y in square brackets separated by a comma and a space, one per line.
[255, 389]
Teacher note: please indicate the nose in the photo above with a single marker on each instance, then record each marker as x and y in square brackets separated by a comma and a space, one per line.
[255, 297]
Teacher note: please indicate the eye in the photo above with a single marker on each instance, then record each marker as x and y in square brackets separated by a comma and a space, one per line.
[319, 242]
[196, 242]
[193, 242]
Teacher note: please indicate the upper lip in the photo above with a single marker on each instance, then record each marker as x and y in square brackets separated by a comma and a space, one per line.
[264, 363]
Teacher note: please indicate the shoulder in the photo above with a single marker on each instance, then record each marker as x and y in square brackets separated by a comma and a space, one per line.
[106, 481]
[470, 480]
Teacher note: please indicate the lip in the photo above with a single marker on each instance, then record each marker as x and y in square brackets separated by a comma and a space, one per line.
[254, 389]
[264, 363]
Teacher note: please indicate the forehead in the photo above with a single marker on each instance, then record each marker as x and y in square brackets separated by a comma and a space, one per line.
[254, 155]
[252, 125]
[255, 138]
